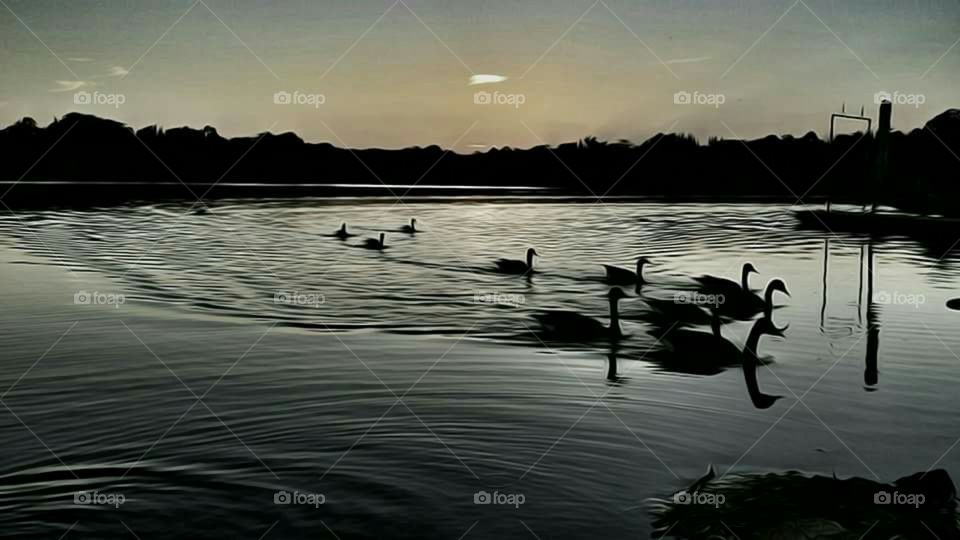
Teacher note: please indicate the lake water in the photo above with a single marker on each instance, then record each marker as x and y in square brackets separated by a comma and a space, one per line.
[182, 369]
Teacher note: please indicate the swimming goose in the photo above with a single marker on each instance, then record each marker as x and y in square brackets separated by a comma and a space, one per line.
[622, 276]
[372, 243]
[513, 266]
[342, 233]
[572, 326]
[745, 306]
[411, 228]
[719, 285]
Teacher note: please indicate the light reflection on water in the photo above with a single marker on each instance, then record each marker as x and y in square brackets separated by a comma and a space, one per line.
[495, 407]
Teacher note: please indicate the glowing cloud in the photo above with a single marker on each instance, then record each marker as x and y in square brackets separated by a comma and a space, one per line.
[687, 60]
[486, 79]
[70, 86]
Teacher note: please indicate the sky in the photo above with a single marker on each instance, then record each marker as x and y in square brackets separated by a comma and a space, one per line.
[472, 74]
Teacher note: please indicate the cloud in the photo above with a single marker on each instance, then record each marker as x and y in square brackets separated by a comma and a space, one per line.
[486, 79]
[117, 71]
[687, 60]
[80, 59]
[70, 86]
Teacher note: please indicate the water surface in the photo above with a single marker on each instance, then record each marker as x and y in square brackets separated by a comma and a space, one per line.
[387, 385]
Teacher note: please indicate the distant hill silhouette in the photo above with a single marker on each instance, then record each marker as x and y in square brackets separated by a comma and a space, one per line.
[924, 163]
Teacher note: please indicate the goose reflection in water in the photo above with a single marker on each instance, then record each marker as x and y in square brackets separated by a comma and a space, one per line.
[697, 352]
[751, 361]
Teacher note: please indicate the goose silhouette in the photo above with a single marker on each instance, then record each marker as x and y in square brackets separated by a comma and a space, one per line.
[746, 305]
[721, 285]
[513, 266]
[573, 326]
[342, 233]
[375, 243]
[622, 276]
[411, 228]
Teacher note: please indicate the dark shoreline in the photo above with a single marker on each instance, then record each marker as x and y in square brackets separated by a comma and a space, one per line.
[38, 195]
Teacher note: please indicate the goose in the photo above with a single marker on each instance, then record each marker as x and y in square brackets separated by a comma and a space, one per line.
[953, 303]
[572, 326]
[513, 266]
[751, 361]
[745, 306]
[622, 276]
[411, 228]
[726, 286]
[342, 233]
[373, 243]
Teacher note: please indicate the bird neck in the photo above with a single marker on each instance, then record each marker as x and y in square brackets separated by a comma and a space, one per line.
[744, 279]
[750, 347]
[530, 260]
[615, 317]
[640, 272]
[768, 303]
[715, 324]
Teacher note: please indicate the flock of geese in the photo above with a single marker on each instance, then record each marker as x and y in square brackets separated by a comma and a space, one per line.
[670, 319]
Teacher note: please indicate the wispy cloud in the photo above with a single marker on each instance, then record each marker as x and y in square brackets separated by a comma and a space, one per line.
[80, 59]
[117, 71]
[70, 86]
[693, 60]
[486, 79]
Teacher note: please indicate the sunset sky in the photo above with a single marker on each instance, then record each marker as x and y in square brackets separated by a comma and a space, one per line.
[398, 73]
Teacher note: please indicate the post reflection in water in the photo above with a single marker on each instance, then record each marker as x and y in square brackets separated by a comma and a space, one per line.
[865, 295]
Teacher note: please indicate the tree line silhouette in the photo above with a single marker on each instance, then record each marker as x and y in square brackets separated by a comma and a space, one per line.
[922, 174]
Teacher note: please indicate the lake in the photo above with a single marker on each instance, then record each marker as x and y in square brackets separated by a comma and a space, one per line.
[241, 374]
